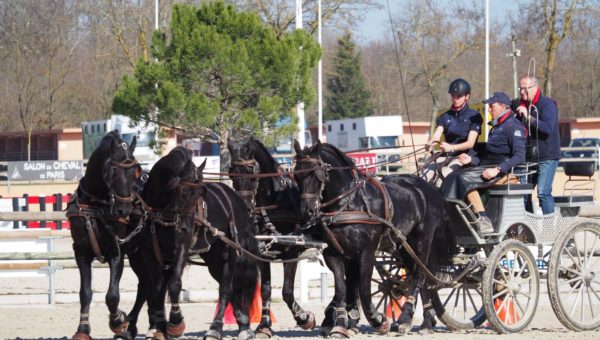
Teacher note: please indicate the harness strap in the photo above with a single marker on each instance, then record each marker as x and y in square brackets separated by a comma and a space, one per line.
[156, 246]
[388, 211]
[92, 229]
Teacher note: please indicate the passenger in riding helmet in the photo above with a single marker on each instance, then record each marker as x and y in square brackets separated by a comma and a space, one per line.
[505, 149]
[460, 127]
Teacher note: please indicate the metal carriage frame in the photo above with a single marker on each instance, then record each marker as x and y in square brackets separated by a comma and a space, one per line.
[504, 287]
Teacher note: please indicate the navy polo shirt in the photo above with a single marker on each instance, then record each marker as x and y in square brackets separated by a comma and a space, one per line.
[506, 144]
[458, 124]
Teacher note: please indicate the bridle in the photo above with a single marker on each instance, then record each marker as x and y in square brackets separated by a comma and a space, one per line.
[253, 168]
[109, 167]
[320, 170]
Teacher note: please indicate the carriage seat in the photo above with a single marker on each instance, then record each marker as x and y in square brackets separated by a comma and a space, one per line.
[579, 189]
[512, 189]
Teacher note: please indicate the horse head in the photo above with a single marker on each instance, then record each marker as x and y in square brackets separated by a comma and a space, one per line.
[188, 188]
[113, 161]
[243, 169]
[312, 174]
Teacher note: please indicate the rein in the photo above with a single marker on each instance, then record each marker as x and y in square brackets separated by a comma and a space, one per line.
[342, 216]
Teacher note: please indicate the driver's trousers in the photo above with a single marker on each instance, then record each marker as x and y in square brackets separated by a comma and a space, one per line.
[474, 198]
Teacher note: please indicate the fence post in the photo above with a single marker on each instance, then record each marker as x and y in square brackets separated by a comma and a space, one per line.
[25, 207]
[58, 207]
[16, 207]
[42, 208]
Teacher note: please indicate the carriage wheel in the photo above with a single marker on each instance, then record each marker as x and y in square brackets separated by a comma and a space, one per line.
[574, 277]
[390, 282]
[510, 287]
[459, 307]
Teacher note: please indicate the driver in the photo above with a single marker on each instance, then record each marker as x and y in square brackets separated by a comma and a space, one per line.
[505, 149]
[460, 126]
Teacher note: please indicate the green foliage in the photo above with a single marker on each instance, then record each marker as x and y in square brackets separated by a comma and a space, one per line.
[348, 97]
[220, 71]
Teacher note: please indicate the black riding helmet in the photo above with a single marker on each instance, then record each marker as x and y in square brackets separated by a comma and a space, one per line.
[459, 87]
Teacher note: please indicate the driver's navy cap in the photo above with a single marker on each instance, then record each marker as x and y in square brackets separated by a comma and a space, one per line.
[498, 97]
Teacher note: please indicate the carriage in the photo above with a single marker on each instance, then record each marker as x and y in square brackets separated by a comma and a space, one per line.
[497, 277]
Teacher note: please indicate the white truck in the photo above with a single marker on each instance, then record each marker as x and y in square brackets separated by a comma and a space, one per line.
[352, 134]
[94, 131]
[363, 133]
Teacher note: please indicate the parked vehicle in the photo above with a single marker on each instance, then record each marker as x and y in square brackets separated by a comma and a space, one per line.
[591, 153]
[373, 132]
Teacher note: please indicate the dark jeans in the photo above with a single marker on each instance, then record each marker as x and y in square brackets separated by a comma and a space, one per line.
[543, 179]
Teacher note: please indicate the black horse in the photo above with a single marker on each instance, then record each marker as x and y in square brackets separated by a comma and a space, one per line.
[187, 217]
[355, 215]
[98, 213]
[275, 203]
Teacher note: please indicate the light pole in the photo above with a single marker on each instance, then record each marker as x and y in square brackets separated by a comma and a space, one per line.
[320, 76]
[514, 54]
[300, 105]
[487, 66]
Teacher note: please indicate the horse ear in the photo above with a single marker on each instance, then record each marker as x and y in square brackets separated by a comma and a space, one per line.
[133, 143]
[201, 168]
[317, 147]
[297, 147]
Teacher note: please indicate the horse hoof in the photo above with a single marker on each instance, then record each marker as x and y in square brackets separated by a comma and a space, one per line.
[175, 331]
[403, 329]
[124, 336]
[425, 331]
[339, 332]
[213, 335]
[158, 335]
[150, 334]
[384, 328]
[245, 335]
[81, 336]
[263, 332]
[310, 322]
[324, 331]
[121, 328]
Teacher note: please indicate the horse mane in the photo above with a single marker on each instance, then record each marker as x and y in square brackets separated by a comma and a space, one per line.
[95, 166]
[156, 191]
[264, 153]
[346, 161]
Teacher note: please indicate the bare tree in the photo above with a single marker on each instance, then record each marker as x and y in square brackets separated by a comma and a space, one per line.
[437, 40]
[281, 14]
[558, 19]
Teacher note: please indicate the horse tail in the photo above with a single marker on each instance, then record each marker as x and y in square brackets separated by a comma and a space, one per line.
[245, 274]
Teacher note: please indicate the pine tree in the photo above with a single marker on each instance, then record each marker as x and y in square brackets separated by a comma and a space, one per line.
[221, 73]
[348, 97]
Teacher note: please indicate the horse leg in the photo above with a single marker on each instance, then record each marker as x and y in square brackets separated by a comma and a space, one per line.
[84, 264]
[340, 329]
[263, 330]
[118, 320]
[428, 313]
[215, 330]
[352, 291]
[408, 311]
[304, 319]
[176, 325]
[137, 265]
[376, 319]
